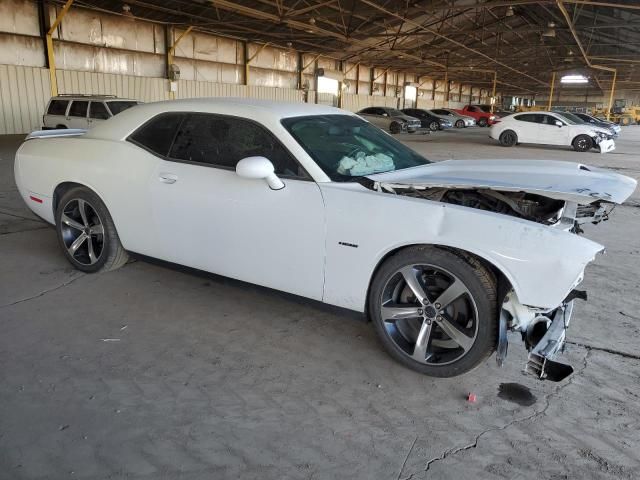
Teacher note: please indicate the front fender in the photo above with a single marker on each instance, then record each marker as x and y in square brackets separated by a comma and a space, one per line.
[543, 264]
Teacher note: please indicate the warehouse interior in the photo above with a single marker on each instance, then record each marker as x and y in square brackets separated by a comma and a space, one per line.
[156, 370]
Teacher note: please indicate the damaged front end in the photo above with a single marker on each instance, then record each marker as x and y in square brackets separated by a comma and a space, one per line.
[543, 332]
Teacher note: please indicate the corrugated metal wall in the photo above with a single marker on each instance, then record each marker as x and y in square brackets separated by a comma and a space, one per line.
[101, 53]
[25, 91]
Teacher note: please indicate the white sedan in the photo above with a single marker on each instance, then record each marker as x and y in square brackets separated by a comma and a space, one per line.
[550, 128]
[444, 258]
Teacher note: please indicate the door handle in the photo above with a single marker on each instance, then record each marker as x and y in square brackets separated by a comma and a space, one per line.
[168, 178]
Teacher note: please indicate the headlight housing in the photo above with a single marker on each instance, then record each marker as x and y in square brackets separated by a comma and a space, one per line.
[492, 117]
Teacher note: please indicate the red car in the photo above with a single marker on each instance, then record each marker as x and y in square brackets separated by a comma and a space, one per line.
[483, 117]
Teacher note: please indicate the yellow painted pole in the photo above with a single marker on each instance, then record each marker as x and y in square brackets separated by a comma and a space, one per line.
[553, 83]
[493, 95]
[50, 56]
[172, 51]
[613, 87]
[249, 60]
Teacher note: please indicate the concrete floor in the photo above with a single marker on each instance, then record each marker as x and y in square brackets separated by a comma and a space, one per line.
[151, 372]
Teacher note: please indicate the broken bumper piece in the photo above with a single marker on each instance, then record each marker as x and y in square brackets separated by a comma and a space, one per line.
[541, 361]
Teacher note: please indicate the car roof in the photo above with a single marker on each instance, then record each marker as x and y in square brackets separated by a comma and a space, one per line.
[103, 98]
[267, 112]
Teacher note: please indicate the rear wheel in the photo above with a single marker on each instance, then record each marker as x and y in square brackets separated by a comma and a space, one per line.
[433, 126]
[435, 311]
[460, 124]
[86, 232]
[582, 143]
[508, 138]
[482, 122]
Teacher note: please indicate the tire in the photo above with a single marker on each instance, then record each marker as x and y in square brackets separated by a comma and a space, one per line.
[582, 143]
[434, 126]
[395, 128]
[61, 127]
[80, 212]
[460, 124]
[483, 122]
[508, 138]
[474, 304]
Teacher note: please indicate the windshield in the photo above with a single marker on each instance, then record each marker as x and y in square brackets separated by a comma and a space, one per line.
[346, 147]
[120, 106]
[570, 118]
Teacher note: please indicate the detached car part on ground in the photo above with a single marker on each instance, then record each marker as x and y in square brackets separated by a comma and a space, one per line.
[391, 120]
[551, 128]
[344, 214]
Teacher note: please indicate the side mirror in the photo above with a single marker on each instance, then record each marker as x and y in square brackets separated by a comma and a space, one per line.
[558, 123]
[385, 114]
[259, 168]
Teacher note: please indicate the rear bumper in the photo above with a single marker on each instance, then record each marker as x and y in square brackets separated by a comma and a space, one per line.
[541, 362]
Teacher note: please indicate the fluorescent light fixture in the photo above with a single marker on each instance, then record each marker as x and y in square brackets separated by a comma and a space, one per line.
[574, 79]
[509, 12]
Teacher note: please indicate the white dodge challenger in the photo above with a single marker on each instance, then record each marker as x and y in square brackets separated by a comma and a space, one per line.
[444, 258]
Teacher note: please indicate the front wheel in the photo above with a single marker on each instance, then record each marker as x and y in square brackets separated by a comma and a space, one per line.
[434, 310]
[433, 126]
[508, 138]
[460, 124]
[395, 128]
[86, 232]
[582, 143]
[482, 122]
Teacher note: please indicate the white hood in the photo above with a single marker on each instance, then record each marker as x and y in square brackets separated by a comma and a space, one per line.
[558, 180]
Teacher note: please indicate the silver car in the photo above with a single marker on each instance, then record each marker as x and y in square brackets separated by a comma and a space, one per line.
[458, 120]
[391, 119]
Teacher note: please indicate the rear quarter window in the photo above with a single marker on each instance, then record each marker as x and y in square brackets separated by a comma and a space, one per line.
[118, 107]
[57, 107]
[158, 133]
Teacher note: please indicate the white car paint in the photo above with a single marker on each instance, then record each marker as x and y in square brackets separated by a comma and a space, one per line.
[546, 134]
[300, 238]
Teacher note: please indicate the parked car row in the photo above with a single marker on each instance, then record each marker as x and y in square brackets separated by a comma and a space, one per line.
[411, 120]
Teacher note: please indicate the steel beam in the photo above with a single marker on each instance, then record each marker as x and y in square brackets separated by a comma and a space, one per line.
[51, 59]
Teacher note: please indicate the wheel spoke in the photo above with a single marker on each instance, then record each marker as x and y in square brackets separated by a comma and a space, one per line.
[83, 212]
[410, 276]
[97, 230]
[454, 332]
[422, 342]
[393, 311]
[76, 244]
[453, 291]
[71, 222]
[92, 255]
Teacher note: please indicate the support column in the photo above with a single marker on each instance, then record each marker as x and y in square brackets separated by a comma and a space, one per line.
[493, 94]
[51, 60]
[170, 53]
[613, 88]
[553, 84]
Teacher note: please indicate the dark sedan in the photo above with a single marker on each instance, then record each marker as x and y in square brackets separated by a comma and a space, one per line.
[427, 120]
[598, 122]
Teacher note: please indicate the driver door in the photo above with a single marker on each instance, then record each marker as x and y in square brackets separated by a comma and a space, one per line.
[551, 134]
[211, 219]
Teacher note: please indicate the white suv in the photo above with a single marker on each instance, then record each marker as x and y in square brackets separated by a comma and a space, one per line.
[82, 111]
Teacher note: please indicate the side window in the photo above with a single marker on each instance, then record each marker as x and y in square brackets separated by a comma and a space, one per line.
[98, 111]
[474, 109]
[529, 117]
[223, 141]
[549, 120]
[367, 111]
[157, 134]
[78, 109]
[57, 107]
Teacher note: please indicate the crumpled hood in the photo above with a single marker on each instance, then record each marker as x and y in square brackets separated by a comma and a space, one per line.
[558, 180]
[406, 118]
